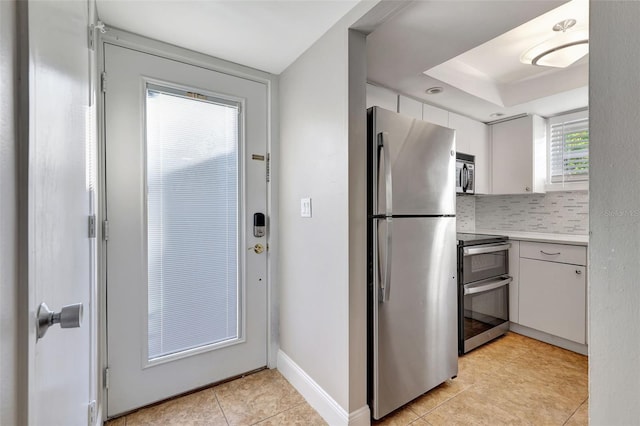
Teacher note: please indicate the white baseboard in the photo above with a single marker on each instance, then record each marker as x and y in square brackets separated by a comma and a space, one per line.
[361, 417]
[550, 339]
[318, 398]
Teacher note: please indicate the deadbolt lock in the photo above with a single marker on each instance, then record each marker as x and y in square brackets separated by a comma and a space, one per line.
[258, 248]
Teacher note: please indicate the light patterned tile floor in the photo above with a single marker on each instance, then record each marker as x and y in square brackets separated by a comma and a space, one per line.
[513, 380]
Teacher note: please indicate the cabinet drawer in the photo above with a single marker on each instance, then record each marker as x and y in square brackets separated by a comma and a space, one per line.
[562, 253]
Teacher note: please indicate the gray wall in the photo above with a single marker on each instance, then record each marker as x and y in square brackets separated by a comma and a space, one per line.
[8, 215]
[357, 221]
[322, 266]
[614, 249]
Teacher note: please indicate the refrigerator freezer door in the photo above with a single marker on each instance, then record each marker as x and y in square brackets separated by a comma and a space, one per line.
[415, 330]
[423, 162]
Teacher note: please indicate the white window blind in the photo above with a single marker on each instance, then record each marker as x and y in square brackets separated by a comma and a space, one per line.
[192, 221]
[569, 148]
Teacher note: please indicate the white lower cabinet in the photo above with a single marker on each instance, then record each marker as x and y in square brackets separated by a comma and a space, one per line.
[552, 295]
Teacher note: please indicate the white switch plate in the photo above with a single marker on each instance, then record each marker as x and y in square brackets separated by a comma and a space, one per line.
[305, 207]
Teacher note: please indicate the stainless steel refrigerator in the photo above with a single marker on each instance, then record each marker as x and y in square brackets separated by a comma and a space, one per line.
[412, 297]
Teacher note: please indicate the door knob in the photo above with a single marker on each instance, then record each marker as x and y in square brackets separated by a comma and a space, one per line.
[258, 248]
[70, 316]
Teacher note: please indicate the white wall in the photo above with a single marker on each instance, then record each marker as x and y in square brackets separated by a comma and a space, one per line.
[614, 289]
[8, 216]
[322, 259]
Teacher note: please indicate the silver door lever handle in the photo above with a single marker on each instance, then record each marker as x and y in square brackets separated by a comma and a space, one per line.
[70, 316]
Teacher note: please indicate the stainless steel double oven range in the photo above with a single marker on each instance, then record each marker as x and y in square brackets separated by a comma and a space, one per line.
[483, 289]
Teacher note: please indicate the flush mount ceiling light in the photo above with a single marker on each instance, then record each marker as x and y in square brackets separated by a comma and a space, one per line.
[560, 51]
[434, 90]
[496, 115]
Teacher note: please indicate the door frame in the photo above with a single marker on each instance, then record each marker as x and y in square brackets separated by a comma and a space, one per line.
[146, 45]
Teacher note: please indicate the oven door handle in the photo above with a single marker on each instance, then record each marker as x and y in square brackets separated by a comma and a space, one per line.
[487, 285]
[470, 251]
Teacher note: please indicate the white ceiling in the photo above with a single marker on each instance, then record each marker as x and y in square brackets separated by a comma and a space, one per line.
[472, 50]
[270, 34]
[265, 34]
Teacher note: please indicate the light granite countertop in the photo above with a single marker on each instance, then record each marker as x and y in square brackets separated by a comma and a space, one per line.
[580, 240]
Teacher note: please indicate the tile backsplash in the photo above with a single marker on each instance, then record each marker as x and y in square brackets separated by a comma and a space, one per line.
[553, 212]
[465, 213]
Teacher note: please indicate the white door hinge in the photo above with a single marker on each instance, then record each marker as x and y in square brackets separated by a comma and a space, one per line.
[99, 26]
[92, 37]
[105, 230]
[268, 167]
[91, 413]
[103, 82]
[92, 226]
[106, 378]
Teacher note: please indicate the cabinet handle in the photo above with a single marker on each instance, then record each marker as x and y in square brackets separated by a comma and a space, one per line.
[578, 271]
[549, 254]
[527, 189]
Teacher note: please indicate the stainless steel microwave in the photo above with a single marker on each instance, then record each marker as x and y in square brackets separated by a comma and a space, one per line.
[465, 174]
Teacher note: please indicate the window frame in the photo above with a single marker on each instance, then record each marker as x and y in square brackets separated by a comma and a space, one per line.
[564, 185]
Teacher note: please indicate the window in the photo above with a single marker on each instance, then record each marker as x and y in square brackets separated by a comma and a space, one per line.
[192, 144]
[569, 151]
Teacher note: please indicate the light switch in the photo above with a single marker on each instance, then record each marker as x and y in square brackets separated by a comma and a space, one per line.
[305, 207]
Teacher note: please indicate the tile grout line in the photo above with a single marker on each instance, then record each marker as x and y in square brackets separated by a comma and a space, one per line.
[440, 404]
[219, 406]
[278, 413]
[575, 411]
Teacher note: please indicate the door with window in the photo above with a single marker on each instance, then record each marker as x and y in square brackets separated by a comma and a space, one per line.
[185, 173]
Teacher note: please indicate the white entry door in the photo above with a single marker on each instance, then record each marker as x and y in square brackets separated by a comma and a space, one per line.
[185, 175]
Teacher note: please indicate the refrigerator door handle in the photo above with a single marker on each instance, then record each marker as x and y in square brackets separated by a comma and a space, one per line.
[385, 287]
[384, 146]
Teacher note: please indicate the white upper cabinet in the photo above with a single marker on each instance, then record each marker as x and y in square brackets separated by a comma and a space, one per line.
[417, 109]
[518, 156]
[435, 115]
[379, 96]
[472, 137]
[410, 107]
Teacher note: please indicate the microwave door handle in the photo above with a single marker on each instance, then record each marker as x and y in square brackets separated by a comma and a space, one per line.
[385, 285]
[502, 281]
[470, 251]
[464, 178]
[383, 145]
